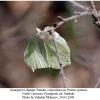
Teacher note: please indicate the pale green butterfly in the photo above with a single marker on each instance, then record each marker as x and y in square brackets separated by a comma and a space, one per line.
[41, 53]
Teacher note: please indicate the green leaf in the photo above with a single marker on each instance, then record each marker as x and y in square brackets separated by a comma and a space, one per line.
[41, 53]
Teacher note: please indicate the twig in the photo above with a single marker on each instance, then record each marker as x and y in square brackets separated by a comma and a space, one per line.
[73, 17]
[98, 82]
[78, 5]
[92, 5]
[63, 20]
[89, 11]
[59, 59]
[95, 14]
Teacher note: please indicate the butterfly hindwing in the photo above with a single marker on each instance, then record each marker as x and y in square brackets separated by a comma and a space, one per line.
[33, 56]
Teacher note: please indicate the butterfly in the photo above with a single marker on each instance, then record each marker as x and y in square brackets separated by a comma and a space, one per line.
[41, 53]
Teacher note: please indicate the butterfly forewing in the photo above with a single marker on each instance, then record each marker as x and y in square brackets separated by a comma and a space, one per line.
[63, 50]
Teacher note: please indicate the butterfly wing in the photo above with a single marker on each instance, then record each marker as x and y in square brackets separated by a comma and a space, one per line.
[41, 53]
[33, 57]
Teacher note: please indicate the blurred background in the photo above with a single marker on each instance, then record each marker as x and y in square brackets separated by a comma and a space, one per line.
[83, 38]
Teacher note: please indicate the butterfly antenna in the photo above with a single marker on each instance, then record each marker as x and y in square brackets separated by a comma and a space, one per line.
[34, 27]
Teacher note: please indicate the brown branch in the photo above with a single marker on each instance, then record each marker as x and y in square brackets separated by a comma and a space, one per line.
[78, 5]
[63, 20]
[92, 5]
[88, 11]
[95, 14]
[59, 59]
[73, 17]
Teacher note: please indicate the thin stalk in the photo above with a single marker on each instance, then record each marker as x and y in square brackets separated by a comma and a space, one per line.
[59, 59]
[93, 5]
[78, 5]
